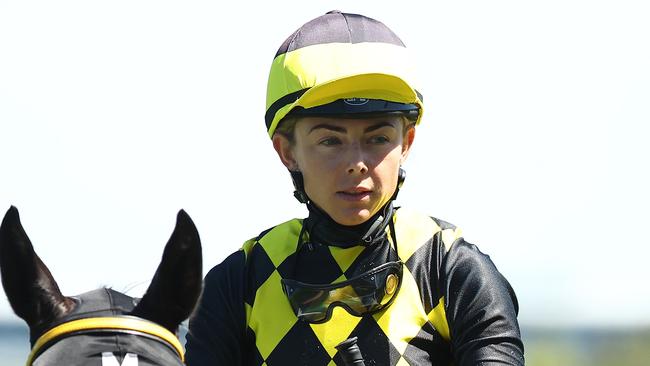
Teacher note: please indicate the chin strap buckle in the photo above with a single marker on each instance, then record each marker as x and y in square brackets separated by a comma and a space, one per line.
[299, 185]
[300, 196]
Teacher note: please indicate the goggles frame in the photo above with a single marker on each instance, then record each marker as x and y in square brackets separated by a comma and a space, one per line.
[325, 297]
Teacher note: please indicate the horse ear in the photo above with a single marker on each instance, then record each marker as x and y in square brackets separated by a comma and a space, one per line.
[176, 286]
[32, 291]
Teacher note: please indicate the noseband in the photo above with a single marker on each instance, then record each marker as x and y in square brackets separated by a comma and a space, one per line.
[117, 324]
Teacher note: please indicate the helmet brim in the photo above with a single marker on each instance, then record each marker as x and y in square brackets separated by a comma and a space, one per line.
[377, 86]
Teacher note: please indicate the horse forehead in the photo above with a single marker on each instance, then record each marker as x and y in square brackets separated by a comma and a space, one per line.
[102, 302]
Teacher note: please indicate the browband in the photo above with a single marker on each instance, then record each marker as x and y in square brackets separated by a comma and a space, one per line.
[125, 323]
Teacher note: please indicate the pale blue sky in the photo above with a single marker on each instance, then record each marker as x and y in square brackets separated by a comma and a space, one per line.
[114, 115]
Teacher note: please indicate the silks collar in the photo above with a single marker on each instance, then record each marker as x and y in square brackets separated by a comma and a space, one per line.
[117, 324]
[324, 230]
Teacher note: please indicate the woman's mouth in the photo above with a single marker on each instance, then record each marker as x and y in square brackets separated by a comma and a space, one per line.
[354, 194]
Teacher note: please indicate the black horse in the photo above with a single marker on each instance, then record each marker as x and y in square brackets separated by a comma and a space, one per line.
[102, 327]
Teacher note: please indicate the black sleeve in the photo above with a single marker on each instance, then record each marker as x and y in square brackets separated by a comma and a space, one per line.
[217, 327]
[481, 309]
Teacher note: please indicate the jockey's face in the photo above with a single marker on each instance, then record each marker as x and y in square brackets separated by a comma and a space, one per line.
[349, 166]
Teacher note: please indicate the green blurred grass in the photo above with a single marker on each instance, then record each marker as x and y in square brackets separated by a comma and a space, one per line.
[594, 347]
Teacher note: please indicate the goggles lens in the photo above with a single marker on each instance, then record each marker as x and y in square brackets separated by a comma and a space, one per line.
[365, 294]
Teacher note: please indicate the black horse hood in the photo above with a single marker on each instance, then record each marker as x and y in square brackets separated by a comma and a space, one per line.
[102, 302]
[97, 348]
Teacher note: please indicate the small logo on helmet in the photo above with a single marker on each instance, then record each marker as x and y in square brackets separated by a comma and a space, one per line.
[356, 101]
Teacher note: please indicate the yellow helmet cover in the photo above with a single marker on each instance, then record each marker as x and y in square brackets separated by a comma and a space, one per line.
[339, 56]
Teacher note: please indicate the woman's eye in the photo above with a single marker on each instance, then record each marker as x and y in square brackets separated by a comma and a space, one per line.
[329, 141]
[378, 139]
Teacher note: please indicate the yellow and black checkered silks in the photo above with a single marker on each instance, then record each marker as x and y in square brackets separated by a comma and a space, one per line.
[407, 333]
[338, 56]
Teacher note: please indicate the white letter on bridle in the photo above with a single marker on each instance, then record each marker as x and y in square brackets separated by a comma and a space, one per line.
[109, 359]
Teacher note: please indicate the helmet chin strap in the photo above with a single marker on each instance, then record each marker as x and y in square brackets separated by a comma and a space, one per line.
[299, 185]
[401, 177]
[301, 195]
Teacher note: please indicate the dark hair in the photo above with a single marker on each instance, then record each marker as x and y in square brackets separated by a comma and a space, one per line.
[286, 127]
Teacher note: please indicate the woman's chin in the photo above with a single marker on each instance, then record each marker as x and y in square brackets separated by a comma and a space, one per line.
[352, 218]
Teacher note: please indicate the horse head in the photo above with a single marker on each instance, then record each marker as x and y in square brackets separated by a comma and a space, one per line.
[102, 327]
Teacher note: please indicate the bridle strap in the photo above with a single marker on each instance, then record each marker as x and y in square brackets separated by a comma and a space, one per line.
[103, 324]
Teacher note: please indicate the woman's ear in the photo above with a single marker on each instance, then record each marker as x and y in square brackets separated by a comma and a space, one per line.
[407, 142]
[284, 148]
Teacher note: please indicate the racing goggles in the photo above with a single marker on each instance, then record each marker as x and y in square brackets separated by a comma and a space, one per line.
[367, 293]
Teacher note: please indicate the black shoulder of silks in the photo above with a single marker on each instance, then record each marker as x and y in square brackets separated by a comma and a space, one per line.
[218, 326]
[481, 309]
[444, 225]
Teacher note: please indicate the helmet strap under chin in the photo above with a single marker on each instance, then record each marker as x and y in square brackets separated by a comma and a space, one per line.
[299, 185]
[401, 176]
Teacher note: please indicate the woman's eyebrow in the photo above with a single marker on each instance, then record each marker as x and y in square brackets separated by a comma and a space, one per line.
[371, 128]
[378, 126]
[327, 127]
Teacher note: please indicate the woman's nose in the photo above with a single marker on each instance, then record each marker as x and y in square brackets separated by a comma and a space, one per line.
[357, 161]
[360, 167]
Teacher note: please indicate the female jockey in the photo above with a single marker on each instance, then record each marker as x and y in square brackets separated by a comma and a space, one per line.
[341, 110]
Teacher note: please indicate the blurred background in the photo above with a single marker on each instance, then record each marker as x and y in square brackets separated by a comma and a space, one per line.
[115, 115]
